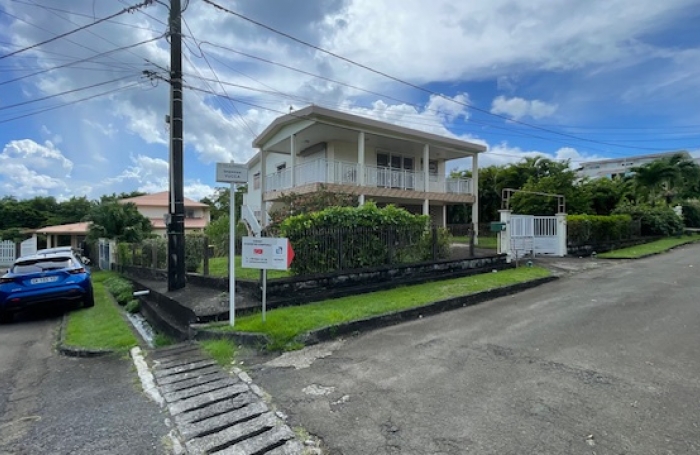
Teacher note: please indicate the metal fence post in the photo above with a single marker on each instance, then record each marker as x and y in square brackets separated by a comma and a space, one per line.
[471, 240]
[154, 255]
[205, 266]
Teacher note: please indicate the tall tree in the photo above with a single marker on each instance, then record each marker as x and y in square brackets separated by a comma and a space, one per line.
[121, 222]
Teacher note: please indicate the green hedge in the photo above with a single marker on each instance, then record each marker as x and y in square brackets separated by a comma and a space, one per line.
[345, 238]
[594, 229]
[691, 215]
[655, 220]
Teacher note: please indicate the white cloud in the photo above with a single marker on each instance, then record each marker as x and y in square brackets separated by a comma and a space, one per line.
[517, 108]
[108, 130]
[32, 169]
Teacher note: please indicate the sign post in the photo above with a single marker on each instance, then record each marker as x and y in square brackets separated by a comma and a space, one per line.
[266, 253]
[232, 173]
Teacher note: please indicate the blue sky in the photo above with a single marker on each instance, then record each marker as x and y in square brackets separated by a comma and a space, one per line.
[586, 80]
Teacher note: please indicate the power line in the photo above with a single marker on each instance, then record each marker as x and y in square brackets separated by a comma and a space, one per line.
[108, 92]
[84, 27]
[75, 13]
[86, 59]
[67, 92]
[90, 32]
[247, 125]
[414, 86]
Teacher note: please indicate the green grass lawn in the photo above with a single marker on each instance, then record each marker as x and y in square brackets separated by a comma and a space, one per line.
[284, 324]
[646, 249]
[219, 267]
[484, 241]
[102, 326]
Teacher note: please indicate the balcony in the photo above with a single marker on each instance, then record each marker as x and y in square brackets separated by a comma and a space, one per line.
[344, 174]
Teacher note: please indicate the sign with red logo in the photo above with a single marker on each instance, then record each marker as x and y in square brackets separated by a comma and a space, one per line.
[266, 253]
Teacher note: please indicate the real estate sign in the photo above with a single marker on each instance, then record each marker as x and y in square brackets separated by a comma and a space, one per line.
[271, 253]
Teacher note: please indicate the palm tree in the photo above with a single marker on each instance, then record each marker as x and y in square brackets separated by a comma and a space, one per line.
[652, 179]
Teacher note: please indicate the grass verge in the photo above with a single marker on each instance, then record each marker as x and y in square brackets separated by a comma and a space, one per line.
[284, 324]
[222, 351]
[490, 243]
[102, 326]
[646, 249]
[219, 267]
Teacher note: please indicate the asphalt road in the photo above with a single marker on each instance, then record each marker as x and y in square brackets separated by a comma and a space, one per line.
[606, 361]
[50, 404]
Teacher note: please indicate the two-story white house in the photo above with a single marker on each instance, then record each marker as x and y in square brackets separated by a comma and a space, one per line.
[377, 161]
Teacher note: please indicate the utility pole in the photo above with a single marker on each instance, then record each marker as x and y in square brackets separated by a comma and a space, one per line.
[176, 218]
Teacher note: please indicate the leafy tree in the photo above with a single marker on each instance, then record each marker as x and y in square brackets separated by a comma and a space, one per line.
[605, 194]
[114, 197]
[219, 202]
[121, 222]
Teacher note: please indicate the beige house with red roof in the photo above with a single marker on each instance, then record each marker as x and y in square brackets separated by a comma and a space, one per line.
[152, 206]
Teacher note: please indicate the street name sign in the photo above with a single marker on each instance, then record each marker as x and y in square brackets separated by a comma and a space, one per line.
[231, 173]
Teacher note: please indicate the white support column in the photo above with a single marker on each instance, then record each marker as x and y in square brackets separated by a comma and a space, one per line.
[444, 216]
[475, 192]
[504, 236]
[263, 185]
[48, 240]
[426, 167]
[361, 165]
[293, 160]
[361, 200]
[361, 158]
[426, 207]
[562, 249]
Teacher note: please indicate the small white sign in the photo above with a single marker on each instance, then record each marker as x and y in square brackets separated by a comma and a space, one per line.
[266, 253]
[231, 173]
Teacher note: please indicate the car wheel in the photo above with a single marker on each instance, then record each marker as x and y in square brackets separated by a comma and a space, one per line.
[6, 317]
[89, 300]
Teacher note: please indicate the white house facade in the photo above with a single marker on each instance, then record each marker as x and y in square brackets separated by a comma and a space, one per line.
[378, 161]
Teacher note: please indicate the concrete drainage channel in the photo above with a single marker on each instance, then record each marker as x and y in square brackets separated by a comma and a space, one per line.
[214, 412]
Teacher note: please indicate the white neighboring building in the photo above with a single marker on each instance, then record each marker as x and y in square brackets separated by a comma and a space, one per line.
[620, 167]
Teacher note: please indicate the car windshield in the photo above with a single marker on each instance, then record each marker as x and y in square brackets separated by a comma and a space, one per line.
[42, 265]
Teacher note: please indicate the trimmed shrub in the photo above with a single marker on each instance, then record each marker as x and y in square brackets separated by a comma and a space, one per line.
[121, 289]
[594, 229]
[346, 238]
[691, 215]
[133, 306]
[655, 220]
[194, 251]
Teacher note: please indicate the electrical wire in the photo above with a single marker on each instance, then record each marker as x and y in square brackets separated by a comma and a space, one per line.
[67, 92]
[70, 103]
[86, 59]
[417, 87]
[84, 27]
[75, 13]
[235, 108]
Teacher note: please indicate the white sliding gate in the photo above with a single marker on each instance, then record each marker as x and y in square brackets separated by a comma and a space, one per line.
[528, 234]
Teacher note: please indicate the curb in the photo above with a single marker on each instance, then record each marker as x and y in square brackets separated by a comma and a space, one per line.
[74, 351]
[376, 322]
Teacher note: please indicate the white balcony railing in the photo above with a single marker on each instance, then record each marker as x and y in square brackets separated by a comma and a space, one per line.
[345, 173]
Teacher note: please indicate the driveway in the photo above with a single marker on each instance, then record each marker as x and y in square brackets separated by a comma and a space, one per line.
[54, 404]
[601, 362]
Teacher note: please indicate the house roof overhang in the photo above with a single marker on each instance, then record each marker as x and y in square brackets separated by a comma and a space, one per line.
[322, 124]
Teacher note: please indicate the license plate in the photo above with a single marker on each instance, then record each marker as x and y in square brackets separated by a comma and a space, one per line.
[46, 279]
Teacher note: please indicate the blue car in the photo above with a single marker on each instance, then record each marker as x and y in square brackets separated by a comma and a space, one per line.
[44, 279]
